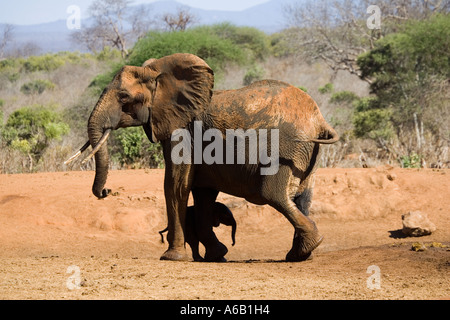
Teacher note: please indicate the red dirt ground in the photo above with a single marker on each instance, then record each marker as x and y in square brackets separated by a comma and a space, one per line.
[51, 221]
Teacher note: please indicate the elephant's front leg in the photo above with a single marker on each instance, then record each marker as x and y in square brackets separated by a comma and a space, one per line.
[204, 204]
[177, 186]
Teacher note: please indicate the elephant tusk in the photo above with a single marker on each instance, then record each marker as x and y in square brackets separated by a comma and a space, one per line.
[76, 155]
[97, 147]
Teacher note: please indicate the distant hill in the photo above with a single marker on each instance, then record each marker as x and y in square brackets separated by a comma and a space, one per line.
[54, 36]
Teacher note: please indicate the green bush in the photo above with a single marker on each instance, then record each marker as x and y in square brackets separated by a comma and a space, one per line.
[12, 63]
[411, 161]
[47, 62]
[131, 147]
[280, 43]
[36, 86]
[343, 97]
[328, 88]
[31, 129]
[108, 54]
[371, 122]
[255, 73]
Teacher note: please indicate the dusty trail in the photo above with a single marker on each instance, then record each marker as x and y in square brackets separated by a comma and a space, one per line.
[51, 221]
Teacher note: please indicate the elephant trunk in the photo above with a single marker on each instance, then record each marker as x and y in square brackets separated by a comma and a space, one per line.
[101, 166]
[99, 127]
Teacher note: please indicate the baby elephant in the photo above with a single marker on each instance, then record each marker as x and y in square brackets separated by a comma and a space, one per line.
[222, 215]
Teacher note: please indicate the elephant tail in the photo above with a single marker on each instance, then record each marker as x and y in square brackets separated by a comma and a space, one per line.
[161, 233]
[327, 136]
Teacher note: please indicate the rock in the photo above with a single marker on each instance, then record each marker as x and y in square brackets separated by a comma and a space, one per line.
[416, 224]
[418, 246]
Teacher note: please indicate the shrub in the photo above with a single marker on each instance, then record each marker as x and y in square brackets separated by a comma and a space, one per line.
[371, 122]
[328, 88]
[131, 147]
[31, 129]
[37, 86]
[343, 97]
[255, 73]
[411, 161]
[47, 62]
[108, 54]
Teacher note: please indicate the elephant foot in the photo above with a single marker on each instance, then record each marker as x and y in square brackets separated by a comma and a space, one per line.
[216, 253]
[199, 259]
[303, 247]
[175, 255]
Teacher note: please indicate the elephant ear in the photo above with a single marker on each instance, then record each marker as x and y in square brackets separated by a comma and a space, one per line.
[184, 86]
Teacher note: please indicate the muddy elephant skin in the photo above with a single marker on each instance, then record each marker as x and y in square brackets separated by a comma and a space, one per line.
[176, 92]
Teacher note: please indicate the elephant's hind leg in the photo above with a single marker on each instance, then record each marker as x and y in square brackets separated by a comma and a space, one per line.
[303, 197]
[306, 236]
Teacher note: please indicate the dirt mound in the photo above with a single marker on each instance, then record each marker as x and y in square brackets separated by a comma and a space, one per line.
[50, 221]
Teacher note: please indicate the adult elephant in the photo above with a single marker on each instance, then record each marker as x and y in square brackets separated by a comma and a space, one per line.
[176, 92]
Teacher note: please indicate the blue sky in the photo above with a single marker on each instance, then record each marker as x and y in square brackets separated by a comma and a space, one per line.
[38, 11]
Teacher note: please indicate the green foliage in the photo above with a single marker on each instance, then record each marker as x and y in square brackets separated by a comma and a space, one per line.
[370, 122]
[253, 41]
[6, 64]
[411, 161]
[47, 62]
[36, 86]
[218, 45]
[31, 129]
[403, 64]
[343, 97]
[280, 43]
[108, 54]
[255, 73]
[131, 147]
[13, 77]
[303, 88]
[408, 69]
[130, 140]
[328, 88]
[199, 41]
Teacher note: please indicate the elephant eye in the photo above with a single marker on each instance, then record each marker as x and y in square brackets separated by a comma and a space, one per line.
[124, 96]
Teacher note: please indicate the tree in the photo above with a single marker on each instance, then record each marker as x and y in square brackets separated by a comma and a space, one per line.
[410, 71]
[179, 21]
[337, 32]
[115, 25]
[6, 38]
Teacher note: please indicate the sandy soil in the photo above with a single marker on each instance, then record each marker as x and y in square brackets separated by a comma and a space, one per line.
[57, 241]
